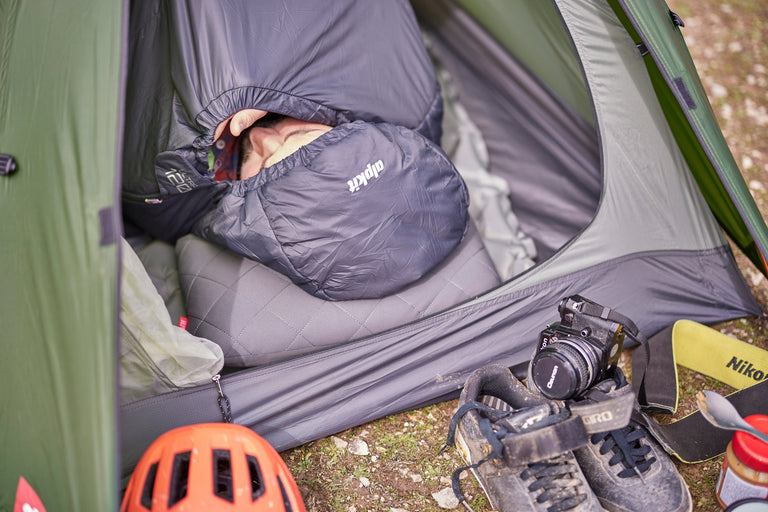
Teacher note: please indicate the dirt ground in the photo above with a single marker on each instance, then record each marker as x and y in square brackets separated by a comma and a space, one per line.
[393, 465]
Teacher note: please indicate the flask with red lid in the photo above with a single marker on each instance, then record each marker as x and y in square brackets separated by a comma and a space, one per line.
[745, 467]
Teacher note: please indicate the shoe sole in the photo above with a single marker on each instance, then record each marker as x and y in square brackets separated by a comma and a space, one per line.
[464, 450]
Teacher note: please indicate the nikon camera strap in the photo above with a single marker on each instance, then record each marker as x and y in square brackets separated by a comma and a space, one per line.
[707, 351]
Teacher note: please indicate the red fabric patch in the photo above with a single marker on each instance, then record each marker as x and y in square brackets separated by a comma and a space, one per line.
[225, 153]
[26, 498]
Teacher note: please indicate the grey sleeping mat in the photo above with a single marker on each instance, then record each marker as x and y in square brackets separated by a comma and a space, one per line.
[258, 316]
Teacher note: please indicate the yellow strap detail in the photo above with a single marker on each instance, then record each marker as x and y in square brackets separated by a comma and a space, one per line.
[707, 351]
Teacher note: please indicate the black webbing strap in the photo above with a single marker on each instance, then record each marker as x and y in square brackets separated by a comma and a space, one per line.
[596, 310]
[693, 438]
[654, 377]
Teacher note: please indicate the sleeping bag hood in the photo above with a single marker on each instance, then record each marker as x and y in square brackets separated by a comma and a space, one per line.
[359, 212]
[359, 66]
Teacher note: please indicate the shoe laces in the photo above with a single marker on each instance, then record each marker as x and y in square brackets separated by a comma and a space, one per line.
[628, 449]
[625, 443]
[554, 476]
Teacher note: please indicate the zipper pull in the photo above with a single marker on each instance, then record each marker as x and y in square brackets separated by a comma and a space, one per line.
[222, 400]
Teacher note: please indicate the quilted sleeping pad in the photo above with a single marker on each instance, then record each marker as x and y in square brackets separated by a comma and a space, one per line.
[258, 316]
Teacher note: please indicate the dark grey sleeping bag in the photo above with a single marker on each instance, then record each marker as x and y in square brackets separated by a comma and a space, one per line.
[360, 212]
[194, 63]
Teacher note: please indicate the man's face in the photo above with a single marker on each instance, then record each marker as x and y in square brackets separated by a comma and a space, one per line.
[272, 142]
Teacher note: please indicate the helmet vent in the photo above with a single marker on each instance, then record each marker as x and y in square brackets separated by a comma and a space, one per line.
[286, 499]
[257, 481]
[222, 475]
[149, 487]
[179, 478]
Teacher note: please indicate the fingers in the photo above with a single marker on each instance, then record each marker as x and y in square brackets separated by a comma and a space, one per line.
[220, 128]
[239, 122]
[244, 119]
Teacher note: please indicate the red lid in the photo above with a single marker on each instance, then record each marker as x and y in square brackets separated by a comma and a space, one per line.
[749, 449]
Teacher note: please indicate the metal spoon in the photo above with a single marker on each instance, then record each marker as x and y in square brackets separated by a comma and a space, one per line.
[721, 413]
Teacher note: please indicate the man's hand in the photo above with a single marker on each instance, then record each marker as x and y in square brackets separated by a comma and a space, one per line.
[239, 121]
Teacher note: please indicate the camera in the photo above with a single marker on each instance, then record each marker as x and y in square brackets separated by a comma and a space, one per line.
[580, 350]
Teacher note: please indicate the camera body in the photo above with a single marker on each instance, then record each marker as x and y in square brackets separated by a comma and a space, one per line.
[580, 350]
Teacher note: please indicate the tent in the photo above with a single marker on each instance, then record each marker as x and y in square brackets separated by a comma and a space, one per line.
[592, 112]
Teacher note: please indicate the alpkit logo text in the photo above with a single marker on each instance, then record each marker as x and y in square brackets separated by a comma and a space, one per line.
[746, 369]
[371, 172]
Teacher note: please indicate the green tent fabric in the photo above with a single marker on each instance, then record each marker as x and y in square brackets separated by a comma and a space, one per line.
[690, 115]
[60, 118]
[62, 80]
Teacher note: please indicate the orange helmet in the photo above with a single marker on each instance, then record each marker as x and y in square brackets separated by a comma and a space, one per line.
[211, 467]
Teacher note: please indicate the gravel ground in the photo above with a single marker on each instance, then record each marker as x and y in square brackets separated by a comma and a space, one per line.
[393, 465]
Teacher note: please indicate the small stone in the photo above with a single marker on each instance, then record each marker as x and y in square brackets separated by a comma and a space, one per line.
[417, 479]
[339, 443]
[719, 91]
[726, 111]
[756, 278]
[358, 447]
[446, 499]
[365, 482]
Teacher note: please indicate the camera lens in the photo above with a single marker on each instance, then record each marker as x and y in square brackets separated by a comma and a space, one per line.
[561, 371]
